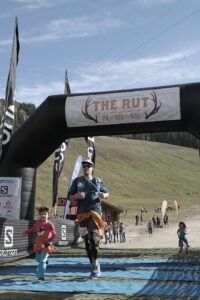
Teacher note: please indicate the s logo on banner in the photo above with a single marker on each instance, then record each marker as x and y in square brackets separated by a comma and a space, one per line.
[8, 237]
[4, 189]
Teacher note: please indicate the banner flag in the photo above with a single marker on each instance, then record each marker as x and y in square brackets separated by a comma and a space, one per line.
[67, 89]
[60, 154]
[163, 208]
[176, 206]
[91, 153]
[75, 174]
[7, 122]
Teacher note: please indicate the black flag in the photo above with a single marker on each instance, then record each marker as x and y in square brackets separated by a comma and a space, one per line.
[67, 87]
[91, 153]
[7, 122]
[57, 169]
[60, 154]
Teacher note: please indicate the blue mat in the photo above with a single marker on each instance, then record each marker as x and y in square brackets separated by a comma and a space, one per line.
[102, 287]
[73, 260]
[153, 274]
[144, 272]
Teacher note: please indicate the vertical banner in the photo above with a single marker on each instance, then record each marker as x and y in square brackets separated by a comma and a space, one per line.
[75, 174]
[91, 153]
[163, 208]
[10, 197]
[7, 122]
[60, 154]
[176, 206]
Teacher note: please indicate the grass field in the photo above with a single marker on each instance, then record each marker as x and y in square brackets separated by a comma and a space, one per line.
[137, 173]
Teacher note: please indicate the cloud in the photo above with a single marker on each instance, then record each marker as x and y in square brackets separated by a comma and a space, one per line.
[154, 2]
[39, 92]
[72, 28]
[67, 29]
[36, 4]
[126, 74]
[136, 73]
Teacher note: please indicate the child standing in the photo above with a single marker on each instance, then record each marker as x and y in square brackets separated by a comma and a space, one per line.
[42, 246]
[181, 232]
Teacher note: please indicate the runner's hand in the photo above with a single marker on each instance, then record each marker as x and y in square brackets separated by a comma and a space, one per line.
[101, 195]
[81, 195]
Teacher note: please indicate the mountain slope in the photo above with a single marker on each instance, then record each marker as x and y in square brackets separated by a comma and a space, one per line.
[137, 173]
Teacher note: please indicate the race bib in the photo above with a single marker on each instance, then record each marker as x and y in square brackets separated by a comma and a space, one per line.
[83, 231]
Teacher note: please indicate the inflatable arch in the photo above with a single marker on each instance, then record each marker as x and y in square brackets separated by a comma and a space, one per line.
[59, 117]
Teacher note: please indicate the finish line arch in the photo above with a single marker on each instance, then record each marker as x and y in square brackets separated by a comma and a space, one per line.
[60, 117]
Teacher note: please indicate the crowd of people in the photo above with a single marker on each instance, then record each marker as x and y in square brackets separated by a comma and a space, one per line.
[114, 232]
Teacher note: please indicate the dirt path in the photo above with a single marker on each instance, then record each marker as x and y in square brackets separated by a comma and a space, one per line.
[138, 237]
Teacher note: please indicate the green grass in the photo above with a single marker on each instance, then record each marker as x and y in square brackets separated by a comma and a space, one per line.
[137, 173]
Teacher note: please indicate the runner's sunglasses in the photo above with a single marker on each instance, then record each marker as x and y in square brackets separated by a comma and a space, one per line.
[87, 166]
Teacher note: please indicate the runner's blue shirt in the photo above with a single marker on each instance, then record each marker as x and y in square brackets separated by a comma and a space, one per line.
[91, 188]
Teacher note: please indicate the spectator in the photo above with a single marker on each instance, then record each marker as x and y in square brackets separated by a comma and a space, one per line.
[137, 220]
[122, 235]
[149, 226]
[115, 232]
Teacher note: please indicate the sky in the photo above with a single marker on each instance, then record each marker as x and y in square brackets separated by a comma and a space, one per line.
[105, 45]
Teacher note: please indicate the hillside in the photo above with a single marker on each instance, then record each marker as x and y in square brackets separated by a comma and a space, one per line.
[137, 173]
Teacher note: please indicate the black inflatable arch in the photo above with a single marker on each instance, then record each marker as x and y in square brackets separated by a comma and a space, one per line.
[59, 117]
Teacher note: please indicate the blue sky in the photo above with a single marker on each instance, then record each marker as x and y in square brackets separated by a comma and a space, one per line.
[104, 44]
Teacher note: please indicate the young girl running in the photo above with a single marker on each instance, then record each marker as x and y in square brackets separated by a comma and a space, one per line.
[181, 232]
[42, 246]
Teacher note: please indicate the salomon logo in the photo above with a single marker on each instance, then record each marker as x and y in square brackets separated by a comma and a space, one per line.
[8, 237]
[4, 189]
[63, 233]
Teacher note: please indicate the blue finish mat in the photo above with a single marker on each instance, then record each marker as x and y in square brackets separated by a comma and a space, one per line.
[102, 287]
[167, 277]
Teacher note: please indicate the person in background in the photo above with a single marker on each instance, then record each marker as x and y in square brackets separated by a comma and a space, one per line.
[88, 191]
[122, 235]
[43, 243]
[165, 220]
[110, 231]
[137, 220]
[150, 227]
[181, 232]
[154, 222]
[106, 233]
[115, 231]
[157, 222]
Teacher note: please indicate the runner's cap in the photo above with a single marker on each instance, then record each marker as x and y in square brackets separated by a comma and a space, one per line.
[87, 161]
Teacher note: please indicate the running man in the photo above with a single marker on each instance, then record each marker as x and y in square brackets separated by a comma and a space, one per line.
[88, 191]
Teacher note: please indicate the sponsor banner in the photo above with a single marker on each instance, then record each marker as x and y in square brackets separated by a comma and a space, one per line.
[8, 249]
[14, 245]
[123, 107]
[91, 153]
[10, 197]
[57, 169]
